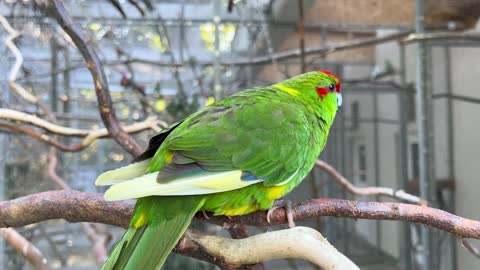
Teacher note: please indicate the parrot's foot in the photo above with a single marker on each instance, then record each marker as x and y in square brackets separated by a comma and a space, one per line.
[205, 214]
[287, 205]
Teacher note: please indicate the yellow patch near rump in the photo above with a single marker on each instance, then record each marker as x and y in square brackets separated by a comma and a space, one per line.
[289, 90]
[274, 193]
[239, 210]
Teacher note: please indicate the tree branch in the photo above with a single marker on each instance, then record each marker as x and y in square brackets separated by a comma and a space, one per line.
[56, 10]
[89, 135]
[12, 77]
[299, 242]
[368, 191]
[99, 241]
[32, 254]
[76, 206]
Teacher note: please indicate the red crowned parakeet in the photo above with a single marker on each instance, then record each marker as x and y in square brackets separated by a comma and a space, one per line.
[233, 157]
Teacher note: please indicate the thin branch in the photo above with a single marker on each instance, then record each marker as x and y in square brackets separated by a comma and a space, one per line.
[33, 120]
[470, 247]
[42, 137]
[116, 4]
[12, 77]
[32, 254]
[89, 135]
[137, 6]
[281, 56]
[98, 241]
[56, 9]
[368, 191]
[441, 36]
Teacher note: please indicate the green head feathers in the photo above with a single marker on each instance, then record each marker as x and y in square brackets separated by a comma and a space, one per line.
[320, 88]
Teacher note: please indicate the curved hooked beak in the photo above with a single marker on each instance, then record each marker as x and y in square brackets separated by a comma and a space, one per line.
[339, 99]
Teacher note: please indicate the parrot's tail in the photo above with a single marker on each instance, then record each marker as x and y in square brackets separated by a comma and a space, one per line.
[155, 228]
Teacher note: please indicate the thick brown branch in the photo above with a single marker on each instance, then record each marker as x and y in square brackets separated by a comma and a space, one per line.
[56, 9]
[76, 206]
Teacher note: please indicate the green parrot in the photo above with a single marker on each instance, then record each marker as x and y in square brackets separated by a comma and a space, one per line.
[233, 157]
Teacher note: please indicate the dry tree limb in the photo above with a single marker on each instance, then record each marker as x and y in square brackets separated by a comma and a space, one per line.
[470, 247]
[32, 254]
[12, 77]
[56, 10]
[76, 206]
[271, 245]
[415, 37]
[99, 241]
[33, 120]
[89, 135]
[368, 191]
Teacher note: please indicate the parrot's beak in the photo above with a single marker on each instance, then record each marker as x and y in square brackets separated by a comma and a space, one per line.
[339, 99]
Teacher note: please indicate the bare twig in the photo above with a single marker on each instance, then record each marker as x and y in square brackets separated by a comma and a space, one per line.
[33, 120]
[137, 6]
[116, 4]
[368, 191]
[25, 248]
[470, 247]
[441, 36]
[274, 57]
[279, 56]
[99, 241]
[12, 77]
[56, 9]
[89, 135]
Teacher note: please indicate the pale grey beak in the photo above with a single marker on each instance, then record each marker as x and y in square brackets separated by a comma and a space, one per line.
[339, 99]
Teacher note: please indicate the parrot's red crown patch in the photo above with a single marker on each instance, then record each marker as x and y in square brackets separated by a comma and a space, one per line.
[337, 80]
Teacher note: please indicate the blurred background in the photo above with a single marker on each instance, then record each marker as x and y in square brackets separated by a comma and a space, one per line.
[170, 58]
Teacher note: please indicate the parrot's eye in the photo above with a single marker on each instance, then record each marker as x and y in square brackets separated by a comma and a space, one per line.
[331, 87]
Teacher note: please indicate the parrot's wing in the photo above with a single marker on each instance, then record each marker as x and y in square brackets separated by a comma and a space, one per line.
[237, 142]
[263, 136]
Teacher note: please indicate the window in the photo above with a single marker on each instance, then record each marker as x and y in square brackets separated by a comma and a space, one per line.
[355, 114]
[362, 163]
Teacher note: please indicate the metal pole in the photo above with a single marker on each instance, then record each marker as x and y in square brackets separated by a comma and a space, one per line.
[301, 33]
[378, 231]
[54, 76]
[422, 97]
[217, 79]
[451, 148]
[403, 161]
